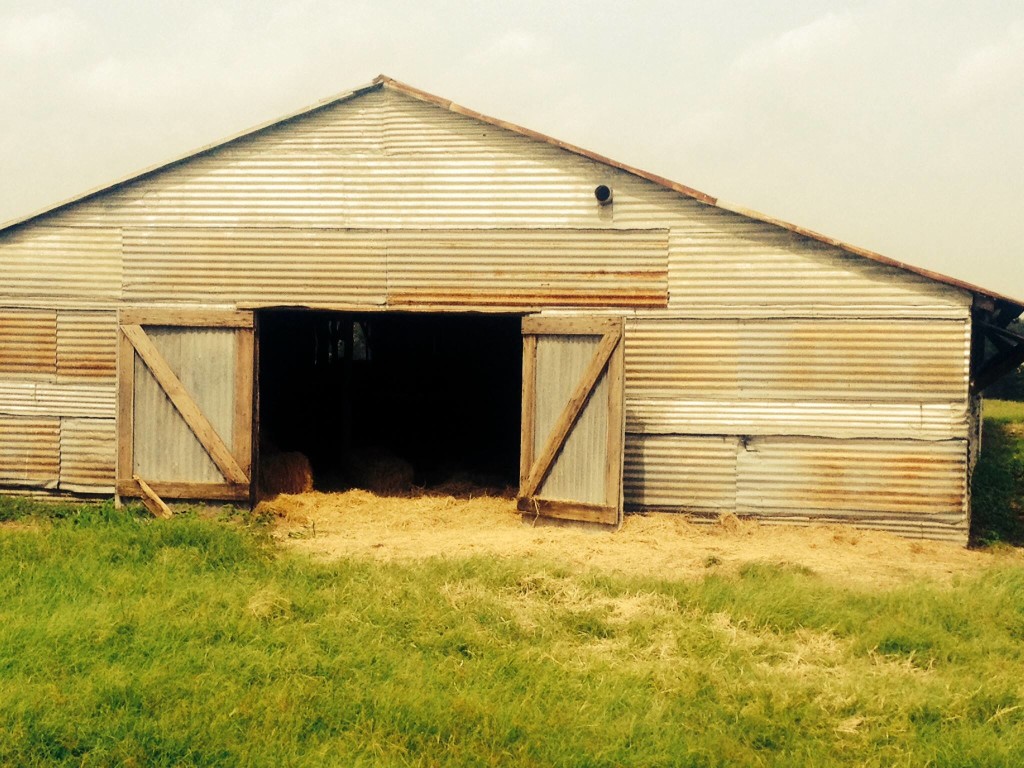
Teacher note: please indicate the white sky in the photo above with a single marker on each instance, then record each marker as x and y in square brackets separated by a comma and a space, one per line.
[897, 125]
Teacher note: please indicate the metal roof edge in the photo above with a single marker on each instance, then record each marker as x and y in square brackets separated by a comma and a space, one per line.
[138, 175]
[694, 193]
[383, 81]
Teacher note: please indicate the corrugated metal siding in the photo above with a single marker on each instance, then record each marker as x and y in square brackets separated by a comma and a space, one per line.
[256, 267]
[87, 455]
[166, 450]
[798, 360]
[29, 451]
[28, 342]
[48, 398]
[528, 267]
[919, 421]
[87, 345]
[578, 473]
[721, 264]
[68, 266]
[853, 478]
[683, 473]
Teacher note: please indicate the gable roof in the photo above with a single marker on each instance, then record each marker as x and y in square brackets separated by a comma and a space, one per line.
[383, 81]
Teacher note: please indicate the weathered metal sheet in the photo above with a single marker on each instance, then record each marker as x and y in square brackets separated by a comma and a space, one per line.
[527, 267]
[918, 421]
[79, 398]
[255, 267]
[165, 449]
[721, 264]
[29, 451]
[87, 345]
[798, 360]
[576, 475]
[87, 455]
[66, 265]
[857, 479]
[28, 342]
[680, 472]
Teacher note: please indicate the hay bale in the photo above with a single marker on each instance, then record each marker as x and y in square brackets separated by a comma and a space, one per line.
[380, 471]
[285, 472]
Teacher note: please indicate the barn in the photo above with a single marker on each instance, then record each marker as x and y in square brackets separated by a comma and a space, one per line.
[387, 270]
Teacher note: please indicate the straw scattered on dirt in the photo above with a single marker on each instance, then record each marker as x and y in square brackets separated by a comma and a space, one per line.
[361, 524]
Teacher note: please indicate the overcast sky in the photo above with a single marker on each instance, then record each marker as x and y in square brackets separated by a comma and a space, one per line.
[897, 125]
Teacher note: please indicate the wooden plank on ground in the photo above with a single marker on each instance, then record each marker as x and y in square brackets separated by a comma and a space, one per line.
[152, 501]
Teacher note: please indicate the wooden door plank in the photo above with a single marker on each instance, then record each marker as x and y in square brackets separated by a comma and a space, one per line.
[527, 437]
[125, 408]
[569, 510]
[560, 325]
[186, 406]
[242, 421]
[186, 318]
[616, 428]
[566, 420]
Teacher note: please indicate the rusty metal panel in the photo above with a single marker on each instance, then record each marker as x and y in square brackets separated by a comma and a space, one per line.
[856, 479]
[203, 359]
[78, 398]
[255, 267]
[798, 360]
[683, 473]
[87, 344]
[918, 421]
[723, 264]
[69, 266]
[28, 342]
[29, 451]
[87, 455]
[576, 475]
[527, 267]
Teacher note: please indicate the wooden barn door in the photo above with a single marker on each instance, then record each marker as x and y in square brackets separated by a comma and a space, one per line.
[573, 422]
[185, 404]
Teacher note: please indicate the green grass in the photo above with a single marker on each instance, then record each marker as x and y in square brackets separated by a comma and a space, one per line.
[1003, 411]
[997, 487]
[128, 641]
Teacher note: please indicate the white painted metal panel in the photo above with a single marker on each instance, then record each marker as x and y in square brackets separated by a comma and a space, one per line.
[695, 474]
[578, 473]
[87, 455]
[29, 451]
[165, 449]
[28, 342]
[47, 398]
[918, 421]
[255, 267]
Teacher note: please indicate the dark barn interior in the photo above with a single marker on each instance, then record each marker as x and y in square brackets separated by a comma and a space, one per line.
[391, 401]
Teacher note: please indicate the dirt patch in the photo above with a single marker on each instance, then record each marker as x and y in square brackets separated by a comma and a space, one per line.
[359, 523]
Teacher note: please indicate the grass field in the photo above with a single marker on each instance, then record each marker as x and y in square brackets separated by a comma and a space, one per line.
[194, 641]
[997, 491]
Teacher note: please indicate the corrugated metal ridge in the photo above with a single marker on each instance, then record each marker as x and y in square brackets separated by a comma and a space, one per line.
[382, 81]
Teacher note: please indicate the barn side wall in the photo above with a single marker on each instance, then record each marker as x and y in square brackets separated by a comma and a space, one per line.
[767, 373]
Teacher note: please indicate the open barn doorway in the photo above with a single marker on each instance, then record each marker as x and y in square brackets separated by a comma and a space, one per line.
[390, 402]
